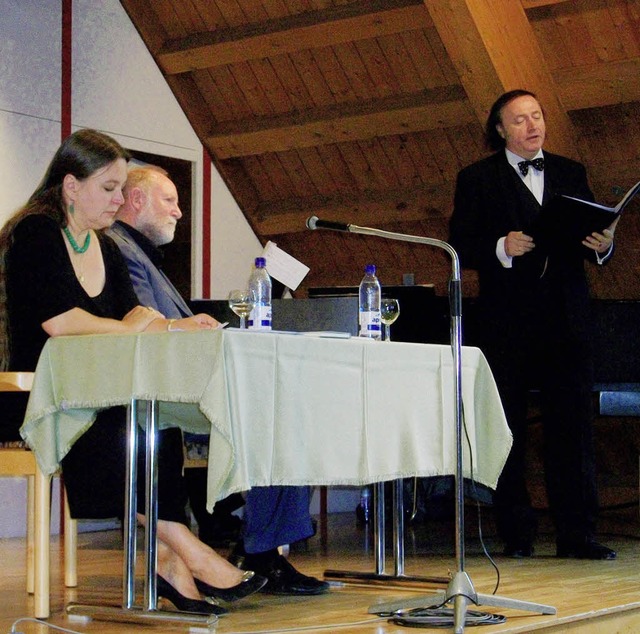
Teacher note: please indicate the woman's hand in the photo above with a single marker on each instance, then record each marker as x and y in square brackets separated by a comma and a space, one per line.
[139, 318]
[147, 319]
[79, 322]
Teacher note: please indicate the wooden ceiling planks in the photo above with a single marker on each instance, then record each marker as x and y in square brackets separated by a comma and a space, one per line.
[610, 138]
[601, 84]
[587, 34]
[290, 35]
[169, 18]
[330, 125]
[364, 112]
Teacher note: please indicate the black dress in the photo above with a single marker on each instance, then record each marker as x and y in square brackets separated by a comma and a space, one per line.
[41, 284]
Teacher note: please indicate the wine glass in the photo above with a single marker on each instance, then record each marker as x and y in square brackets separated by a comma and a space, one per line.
[389, 312]
[241, 303]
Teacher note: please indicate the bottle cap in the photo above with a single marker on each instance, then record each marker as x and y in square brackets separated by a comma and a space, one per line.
[370, 269]
[261, 263]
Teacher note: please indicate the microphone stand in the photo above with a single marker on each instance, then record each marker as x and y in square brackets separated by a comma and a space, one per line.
[460, 590]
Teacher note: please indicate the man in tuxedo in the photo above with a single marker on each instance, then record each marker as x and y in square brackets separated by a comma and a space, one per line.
[535, 320]
[273, 516]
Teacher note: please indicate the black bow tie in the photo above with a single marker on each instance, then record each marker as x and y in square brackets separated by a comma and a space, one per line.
[536, 164]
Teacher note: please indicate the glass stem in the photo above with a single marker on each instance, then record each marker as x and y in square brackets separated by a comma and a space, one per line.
[242, 322]
[387, 332]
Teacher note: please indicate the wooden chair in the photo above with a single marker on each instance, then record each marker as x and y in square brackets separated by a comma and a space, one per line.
[20, 461]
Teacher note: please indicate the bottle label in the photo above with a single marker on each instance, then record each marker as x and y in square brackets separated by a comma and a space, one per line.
[260, 318]
[370, 324]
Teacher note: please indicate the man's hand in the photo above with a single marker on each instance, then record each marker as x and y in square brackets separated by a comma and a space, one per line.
[517, 243]
[601, 242]
[201, 321]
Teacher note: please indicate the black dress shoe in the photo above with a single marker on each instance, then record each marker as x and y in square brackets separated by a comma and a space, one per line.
[184, 604]
[518, 550]
[250, 583]
[584, 549]
[282, 577]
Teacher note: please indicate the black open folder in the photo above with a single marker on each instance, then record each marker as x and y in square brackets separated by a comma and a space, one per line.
[566, 221]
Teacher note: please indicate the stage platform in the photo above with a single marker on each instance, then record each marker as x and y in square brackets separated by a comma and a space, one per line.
[590, 597]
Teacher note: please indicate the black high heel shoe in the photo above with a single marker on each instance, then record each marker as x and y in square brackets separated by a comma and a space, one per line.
[184, 604]
[250, 583]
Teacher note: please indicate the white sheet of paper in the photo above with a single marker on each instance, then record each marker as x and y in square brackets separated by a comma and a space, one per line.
[284, 267]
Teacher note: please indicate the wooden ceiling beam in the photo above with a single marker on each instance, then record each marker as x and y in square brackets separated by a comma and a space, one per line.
[437, 108]
[310, 30]
[598, 85]
[534, 4]
[373, 208]
[494, 49]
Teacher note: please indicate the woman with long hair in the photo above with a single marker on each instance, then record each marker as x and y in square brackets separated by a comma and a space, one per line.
[60, 275]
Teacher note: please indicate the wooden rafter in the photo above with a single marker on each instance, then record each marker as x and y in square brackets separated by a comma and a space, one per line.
[494, 49]
[595, 85]
[603, 84]
[438, 108]
[379, 208]
[483, 56]
[300, 32]
[534, 4]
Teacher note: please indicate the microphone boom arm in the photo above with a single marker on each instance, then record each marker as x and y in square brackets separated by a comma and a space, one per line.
[455, 309]
[403, 237]
[460, 590]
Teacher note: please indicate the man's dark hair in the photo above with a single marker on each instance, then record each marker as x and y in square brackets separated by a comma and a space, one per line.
[492, 138]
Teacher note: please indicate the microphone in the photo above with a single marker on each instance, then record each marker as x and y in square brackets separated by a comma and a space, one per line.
[313, 222]
[455, 334]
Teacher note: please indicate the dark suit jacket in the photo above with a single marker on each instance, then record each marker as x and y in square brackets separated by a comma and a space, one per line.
[151, 285]
[490, 201]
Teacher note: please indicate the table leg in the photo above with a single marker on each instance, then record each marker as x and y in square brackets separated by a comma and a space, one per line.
[130, 612]
[128, 573]
[379, 529]
[151, 508]
[398, 527]
[379, 577]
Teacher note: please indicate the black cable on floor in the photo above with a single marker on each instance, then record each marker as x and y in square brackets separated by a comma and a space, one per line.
[443, 617]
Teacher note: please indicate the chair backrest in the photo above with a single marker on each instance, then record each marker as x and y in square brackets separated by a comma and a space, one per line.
[17, 460]
[16, 381]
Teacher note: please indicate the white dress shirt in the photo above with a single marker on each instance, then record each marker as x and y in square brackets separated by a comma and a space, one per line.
[534, 180]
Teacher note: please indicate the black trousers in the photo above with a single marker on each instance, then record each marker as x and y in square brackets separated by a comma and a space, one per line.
[543, 353]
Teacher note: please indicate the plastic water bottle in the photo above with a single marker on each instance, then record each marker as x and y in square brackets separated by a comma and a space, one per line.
[260, 289]
[369, 304]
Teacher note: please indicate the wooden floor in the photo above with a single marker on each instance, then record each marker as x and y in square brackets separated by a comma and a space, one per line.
[590, 597]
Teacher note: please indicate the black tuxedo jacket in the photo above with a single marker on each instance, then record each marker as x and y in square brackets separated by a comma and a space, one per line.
[490, 201]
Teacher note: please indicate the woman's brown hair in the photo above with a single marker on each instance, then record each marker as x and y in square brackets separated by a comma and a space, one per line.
[81, 154]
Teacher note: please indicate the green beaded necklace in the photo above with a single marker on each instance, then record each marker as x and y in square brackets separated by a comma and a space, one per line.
[74, 245]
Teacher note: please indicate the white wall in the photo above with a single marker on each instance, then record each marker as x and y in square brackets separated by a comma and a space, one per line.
[29, 96]
[116, 88]
[228, 220]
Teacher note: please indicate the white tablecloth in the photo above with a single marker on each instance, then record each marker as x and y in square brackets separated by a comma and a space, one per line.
[281, 408]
